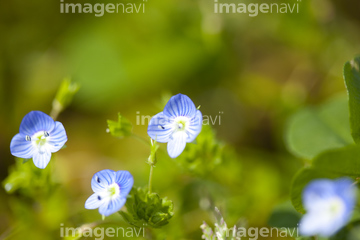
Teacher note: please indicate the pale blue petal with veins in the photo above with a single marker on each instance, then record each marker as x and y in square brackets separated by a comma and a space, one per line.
[110, 191]
[39, 136]
[178, 124]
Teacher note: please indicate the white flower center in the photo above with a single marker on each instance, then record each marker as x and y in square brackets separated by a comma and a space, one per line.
[113, 190]
[181, 124]
[336, 207]
[39, 140]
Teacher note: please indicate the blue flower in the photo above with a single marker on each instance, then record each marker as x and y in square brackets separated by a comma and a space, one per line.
[38, 137]
[179, 123]
[329, 205]
[110, 191]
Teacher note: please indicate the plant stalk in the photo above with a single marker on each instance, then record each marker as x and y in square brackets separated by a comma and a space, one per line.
[150, 177]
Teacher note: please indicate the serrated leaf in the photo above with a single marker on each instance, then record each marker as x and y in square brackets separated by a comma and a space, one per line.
[316, 129]
[27, 178]
[204, 154]
[127, 217]
[147, 209]
[121, 128]
[352, 82]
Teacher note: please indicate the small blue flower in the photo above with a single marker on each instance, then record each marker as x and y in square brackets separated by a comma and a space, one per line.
[329, 205]
[179, 123]
[110, 191]
[38, 137]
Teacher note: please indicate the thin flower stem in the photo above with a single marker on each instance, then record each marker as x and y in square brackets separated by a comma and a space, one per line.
[356, 181]
[140, 138]
[56, 110]
[150, 177]
[54, 115]
[9, 233]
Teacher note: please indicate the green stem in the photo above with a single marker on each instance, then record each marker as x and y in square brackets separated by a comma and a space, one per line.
[143, 140]
[56, 110]
[150, 177]
[9, 233]
[140, 138]
[356, 181]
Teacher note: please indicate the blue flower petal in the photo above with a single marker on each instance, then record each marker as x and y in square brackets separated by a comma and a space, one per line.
[195, 127]
[345, 188]
[102, 179]
[317, 199]
[41, 160]
[36, 121]
[21, 148]
[94, 201]
[313, 224]
[112, 206]
[316, 191]
[177, 144]
[125, 181]
[180, 105]
[160, 128]
[318, 223]
[57, 137]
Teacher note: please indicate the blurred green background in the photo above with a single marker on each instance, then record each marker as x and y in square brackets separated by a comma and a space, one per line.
[256, 71]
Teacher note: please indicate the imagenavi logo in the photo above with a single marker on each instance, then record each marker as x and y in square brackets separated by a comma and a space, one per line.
[253, 9]
[99, 9]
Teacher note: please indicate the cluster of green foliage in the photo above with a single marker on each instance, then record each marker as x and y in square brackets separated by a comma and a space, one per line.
[203, 156]
[147, 209]
[120, 128]
[328, 142]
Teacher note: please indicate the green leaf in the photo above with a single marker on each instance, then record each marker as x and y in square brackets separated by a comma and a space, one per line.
[64, 96]
[66, 92]
[121, 128]
[344, 161]
[202, 157]
[316, 129]
[147, 209]
[27, 179]
[350, 232]
[335, 163]
[310, 238]
[352, 82]
[284, 215]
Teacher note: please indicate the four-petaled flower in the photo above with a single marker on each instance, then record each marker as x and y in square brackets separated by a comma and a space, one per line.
[110, 191]
[38, 137]
[329, 205]
[179, 123]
